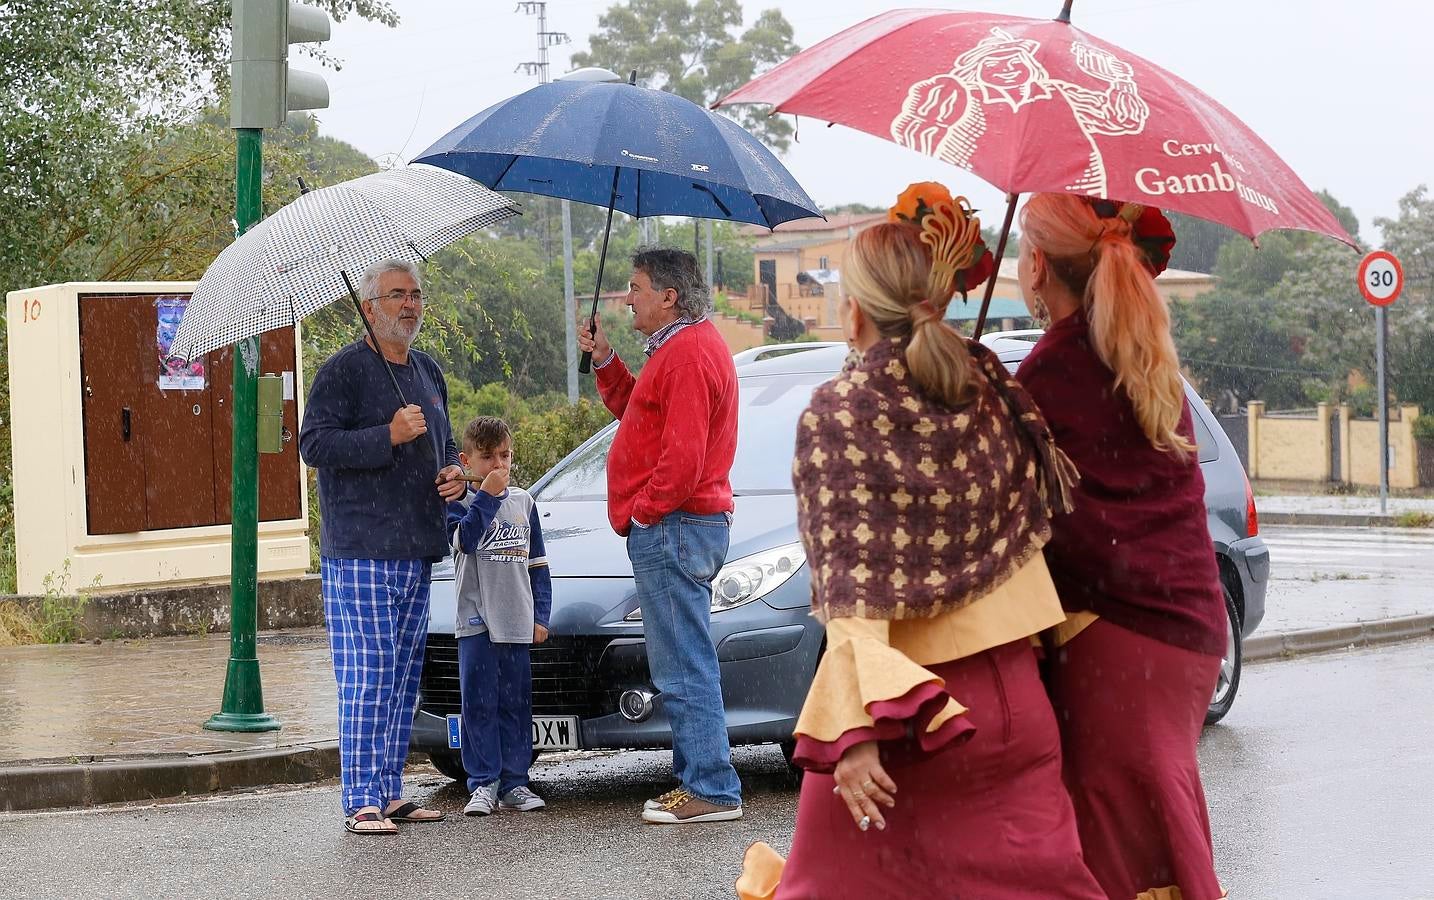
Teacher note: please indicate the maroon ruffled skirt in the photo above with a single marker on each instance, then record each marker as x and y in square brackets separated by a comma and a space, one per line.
[1130, 711]
[985, 817]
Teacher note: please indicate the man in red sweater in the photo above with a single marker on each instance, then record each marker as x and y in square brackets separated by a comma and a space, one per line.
[669, 493]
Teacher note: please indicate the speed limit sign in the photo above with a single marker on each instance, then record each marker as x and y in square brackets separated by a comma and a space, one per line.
[1381, 278]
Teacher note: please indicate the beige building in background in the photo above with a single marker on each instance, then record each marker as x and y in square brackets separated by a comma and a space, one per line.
[799, 265]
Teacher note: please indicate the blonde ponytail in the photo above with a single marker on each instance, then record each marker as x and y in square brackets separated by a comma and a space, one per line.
[1129, 321]
[1130, 328]
[888, 273]
[938, 359]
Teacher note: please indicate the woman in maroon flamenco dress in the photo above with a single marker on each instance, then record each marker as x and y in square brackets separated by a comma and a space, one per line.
[1132, 669]
[925, 480]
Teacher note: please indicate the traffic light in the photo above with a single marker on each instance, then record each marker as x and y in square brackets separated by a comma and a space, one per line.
[264, 87]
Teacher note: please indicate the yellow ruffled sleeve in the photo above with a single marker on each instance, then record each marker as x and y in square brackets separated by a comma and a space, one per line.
[865, 690]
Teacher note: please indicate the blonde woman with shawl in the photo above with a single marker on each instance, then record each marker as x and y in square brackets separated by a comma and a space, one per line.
[925, 481]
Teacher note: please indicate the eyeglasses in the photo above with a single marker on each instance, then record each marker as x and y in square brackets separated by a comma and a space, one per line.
[398, 296]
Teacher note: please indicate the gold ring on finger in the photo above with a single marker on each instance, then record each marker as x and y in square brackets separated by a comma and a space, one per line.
[868, 784]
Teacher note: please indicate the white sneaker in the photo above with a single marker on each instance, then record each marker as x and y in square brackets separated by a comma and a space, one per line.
[521, 799]
[482, 801]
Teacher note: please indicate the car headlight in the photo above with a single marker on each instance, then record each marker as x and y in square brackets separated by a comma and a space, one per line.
[750, 578]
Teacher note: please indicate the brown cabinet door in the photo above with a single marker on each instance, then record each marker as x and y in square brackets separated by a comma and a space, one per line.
[156, 458]
[112, 350]
[278, 472]
[178, 454]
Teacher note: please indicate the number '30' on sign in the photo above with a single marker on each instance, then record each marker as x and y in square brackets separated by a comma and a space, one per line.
[1381, 278]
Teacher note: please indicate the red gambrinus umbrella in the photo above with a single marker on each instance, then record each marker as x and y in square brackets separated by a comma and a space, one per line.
[1039, 105]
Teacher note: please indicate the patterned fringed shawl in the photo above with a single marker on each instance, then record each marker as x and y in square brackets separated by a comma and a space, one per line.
[909, 508]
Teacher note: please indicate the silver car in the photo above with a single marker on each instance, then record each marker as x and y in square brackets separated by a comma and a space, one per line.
[590, 683]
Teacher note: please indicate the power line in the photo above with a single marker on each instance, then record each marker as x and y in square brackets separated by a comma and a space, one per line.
[1223, 365]
[546, 39]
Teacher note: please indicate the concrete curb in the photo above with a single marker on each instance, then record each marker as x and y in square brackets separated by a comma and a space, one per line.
[1318, 640]
[79, 784]
[1337, 520]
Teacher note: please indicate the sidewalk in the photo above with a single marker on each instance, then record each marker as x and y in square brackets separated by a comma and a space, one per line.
[87, 724]
[1335, 509]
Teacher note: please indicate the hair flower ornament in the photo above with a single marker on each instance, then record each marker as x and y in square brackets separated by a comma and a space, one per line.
[1149, 230]
[952, 233]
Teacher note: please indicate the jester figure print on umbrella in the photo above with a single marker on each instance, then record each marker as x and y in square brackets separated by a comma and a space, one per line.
[626, 148]
[1034, 105]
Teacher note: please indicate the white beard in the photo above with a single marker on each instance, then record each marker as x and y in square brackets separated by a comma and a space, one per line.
[395, 330]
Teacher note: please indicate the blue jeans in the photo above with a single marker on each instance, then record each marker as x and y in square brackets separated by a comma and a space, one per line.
[674, 562]
[496, 681]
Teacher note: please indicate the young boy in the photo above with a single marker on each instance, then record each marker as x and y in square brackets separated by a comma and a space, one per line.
[504, 599]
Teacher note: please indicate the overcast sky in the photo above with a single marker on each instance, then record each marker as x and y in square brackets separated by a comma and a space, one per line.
[1333, 87]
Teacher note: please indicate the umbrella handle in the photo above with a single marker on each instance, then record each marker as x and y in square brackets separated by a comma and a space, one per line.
[1000, 252]
[585, 365]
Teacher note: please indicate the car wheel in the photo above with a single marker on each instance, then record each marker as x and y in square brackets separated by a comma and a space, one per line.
[1228, 683]
[450, 764]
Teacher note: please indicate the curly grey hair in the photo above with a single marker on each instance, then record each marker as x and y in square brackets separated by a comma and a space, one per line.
[368, 282]
[676, 269]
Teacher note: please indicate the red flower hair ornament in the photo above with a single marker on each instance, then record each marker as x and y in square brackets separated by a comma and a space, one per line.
[1149, 230]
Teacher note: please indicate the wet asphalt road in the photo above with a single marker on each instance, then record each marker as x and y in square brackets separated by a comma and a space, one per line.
[1320, 784]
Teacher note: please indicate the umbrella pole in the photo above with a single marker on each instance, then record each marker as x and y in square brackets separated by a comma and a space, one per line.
[1000, 254]
[585, 365]
[368, 326]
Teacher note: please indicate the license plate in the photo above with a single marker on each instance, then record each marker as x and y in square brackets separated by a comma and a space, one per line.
[555, 732]
[455, 731]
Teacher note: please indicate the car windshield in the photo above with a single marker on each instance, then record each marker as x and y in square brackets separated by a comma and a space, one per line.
[766, 430]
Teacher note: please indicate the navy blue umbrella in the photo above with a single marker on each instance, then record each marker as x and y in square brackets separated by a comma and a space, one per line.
[645, 152]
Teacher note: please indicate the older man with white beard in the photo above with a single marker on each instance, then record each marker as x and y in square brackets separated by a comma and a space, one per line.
[383, 512]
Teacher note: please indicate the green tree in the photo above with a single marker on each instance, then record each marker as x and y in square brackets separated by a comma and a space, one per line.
[1410, 237]
[696, 50]
[1235, 351]
[1246, 269]
[1198, 243]
[87, 89]
[110, 167]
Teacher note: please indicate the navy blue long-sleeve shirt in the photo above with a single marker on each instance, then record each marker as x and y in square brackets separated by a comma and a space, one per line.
[377, 501]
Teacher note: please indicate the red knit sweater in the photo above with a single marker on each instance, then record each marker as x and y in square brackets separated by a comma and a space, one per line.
[1136, 550]
[678, 431]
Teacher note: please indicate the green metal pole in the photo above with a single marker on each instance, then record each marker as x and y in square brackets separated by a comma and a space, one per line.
[243, 705]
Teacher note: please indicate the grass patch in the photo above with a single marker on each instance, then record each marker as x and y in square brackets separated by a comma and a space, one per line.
[56, 621]
[1414, 519]
[1339, 576]
[17, 626]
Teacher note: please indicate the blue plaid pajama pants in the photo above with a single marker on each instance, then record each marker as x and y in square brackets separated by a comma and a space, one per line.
[377, 615]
